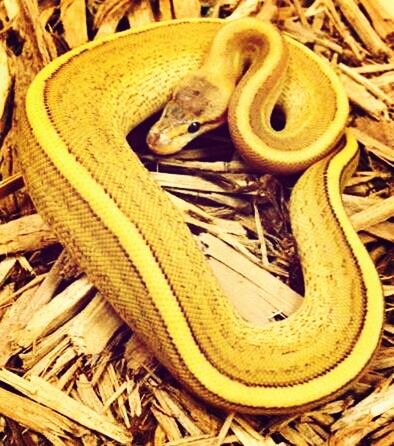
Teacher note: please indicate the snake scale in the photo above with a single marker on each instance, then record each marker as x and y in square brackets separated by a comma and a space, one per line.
[133, 244]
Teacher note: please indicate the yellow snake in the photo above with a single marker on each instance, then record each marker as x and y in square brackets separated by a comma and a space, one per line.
[134, 245]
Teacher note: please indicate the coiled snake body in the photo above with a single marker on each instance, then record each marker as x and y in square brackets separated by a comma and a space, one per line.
[133, 244]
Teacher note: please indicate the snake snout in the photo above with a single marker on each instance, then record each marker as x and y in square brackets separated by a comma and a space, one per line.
[156, 140]
[153, 139]
[161, 143]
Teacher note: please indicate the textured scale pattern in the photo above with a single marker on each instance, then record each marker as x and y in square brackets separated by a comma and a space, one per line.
[133, 244]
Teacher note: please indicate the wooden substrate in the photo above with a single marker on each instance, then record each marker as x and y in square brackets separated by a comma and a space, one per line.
[71, 373]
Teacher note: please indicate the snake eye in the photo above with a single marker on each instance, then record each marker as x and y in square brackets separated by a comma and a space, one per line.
[194, 127]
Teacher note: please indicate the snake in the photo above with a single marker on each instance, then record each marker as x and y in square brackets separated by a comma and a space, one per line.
[127, 236]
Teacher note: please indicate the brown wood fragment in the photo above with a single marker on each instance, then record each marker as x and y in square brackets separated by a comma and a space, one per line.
[383, 22]
[10, 185]
[168, 424]
[379, 148]
[268, 11]
[44, 46]
[137, 355]
[141, 14]
[233, 183]
[108, 15]
[377, 213]
[73, 17]
[39, 418]
[373, 68]
[16, 318]
[385, 82]
[6, 267]
[359, 95]
[88, 396]
[27, 233]
[386, 440]
[5, 89]
[383, 230]
[187, 9]
[375, 90]
[363, 28]
[306, 35]
[345, 33]
[380, 132]
[165, 10]
[360, 419]
[217, 224]
[300, 13]
[56, 312]
[48, 395]
[271, 290]
[37, 50]
[244, 9]
[48, 351]
[225, 428]
[171, 407]
[246, 435]
[91, 330]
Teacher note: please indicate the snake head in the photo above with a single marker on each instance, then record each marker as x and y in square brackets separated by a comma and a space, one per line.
[196, 106]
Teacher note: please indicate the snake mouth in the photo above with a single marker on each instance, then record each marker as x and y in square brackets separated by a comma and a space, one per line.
[161, 143]
[155, 141]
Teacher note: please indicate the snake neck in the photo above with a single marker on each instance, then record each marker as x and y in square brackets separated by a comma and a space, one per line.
[240, 45]
[242, 52]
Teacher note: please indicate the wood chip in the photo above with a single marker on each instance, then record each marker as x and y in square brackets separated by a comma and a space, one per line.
[244, 8]
[41, 419]
[73, 17]
[48, 395]
[187, 9]
[108, 15]
[56, 312]
[360, 96]
[376, 213]
[5, 87]
[6, 267]
[381, 13]
[271, 290]
[15, 319]
[11, 185]
[362, 27]
[370, 86]
[141, 14]
[27, 233]
[378, 147]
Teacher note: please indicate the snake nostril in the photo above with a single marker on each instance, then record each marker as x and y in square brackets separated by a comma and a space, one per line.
[278, 118]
